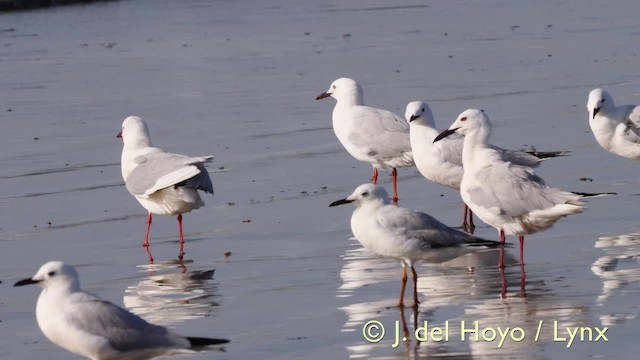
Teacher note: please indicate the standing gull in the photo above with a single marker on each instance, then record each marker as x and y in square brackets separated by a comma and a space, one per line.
[617, 129]
[372, 135]
[97, 329]
[405, 234]
[441, 162]
[163, 183]
[509, 197]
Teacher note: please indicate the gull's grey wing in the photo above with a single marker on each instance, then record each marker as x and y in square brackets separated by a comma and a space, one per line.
[123, 330]
[450, 148]
[632, 123]
[505, 188]
[384, 133]
[418, 225]
[158, 170]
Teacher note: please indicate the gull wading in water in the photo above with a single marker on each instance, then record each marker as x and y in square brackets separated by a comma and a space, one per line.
[617, 129]
[441, 162]
[372, 135]
[509, 197]
[404, 234]
[97, 329]
[162, 182]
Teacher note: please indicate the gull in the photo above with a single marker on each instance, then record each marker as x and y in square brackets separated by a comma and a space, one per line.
[441, 162]
[404, 234]
[372, 135]
[509, 197]
[97, 329]
[617, 129]
[162, 182]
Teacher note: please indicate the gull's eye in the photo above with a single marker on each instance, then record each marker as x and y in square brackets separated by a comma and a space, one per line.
[365, 193]
[422, 110]
[603, 100]
[333, 86]
[464, 118]
[51, 273]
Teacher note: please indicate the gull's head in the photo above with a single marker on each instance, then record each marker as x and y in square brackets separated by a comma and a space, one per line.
[135, 132]
[598, 99]
[365, 194]
[343, 89]
[468, 121]
[419, 112]
[53, 273]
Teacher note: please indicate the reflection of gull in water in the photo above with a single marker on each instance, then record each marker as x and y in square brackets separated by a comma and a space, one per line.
[169, 295]
[618, 269]
[523, 312]
[472, 276]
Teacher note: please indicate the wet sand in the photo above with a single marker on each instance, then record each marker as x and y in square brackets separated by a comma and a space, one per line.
[238, 80]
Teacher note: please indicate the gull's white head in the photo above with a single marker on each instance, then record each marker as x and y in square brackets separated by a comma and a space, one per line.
[419, 112]
[366, 194]
[54, 274]
[598, 100]
[135, 132]
[470, 120]
[344, 89]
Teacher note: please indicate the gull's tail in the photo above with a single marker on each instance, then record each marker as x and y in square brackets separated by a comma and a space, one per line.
[201, 342]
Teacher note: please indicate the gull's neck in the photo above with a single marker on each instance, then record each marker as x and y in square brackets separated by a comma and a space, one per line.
[474, 143]
[351, 99]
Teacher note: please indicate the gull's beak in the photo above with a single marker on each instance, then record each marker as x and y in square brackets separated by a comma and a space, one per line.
[119, 134]
[595, 111]
[444, 134]
[340, 202]
[24, 282]
[323, 95]
[413, 117]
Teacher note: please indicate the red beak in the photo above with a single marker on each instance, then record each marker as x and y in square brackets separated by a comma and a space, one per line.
[119, 134]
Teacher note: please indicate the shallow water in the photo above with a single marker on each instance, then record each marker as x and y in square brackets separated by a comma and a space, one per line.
[238, 79]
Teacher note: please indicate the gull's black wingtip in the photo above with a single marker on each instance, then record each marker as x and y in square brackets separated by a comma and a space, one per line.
[201, 342]
[548, 154]
[583, 194]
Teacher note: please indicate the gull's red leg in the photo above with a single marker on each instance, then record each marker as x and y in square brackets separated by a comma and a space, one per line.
[146, 235]
[404, 284]
[374, 177]
[501, 260]
[521, 238]
[394, 175]
[181, 237]
[415, 288]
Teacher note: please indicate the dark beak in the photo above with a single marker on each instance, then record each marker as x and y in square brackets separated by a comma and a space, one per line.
[26, 282]
[340, 202]
[444, 134]
[119, 134]
[323, 95]
[595, 111]
[413, 117]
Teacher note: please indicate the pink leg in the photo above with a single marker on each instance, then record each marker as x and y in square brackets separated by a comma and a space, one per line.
[468, 226]
[416, 303]
[501, 260]
[472, 226]
[146, 235]
[404, 285]
[521, 238]
[181, 237]
[394, 175]
[374, 177]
